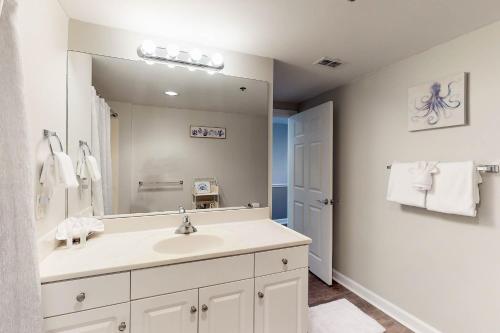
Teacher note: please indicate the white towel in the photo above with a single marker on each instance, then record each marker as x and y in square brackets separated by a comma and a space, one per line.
[64, 170]
[422, 175]
[456, 189]
[81, 168]
[401, 188]
[93, 168]
[20, 305]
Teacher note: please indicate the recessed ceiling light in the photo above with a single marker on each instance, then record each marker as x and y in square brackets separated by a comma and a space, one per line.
[171, 93]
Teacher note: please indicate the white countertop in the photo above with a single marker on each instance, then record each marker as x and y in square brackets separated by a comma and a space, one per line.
[128, 250]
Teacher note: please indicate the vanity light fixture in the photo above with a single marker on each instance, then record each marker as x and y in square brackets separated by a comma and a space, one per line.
[173, 56]
[171, 93]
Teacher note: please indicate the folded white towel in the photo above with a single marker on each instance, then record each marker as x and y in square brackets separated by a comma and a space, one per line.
[401, 188]
[64, 170]
[422, 175]
[72, 227]
[455, 189]
[93, 168]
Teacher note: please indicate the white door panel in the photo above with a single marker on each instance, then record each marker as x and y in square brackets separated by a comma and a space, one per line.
[310, 169]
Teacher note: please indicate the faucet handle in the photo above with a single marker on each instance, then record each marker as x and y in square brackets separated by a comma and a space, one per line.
[181, 210]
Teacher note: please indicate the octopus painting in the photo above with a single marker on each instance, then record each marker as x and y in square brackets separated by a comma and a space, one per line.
[438, 106]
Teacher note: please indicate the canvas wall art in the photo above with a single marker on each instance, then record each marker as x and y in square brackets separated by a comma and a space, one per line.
[208, 132]
[438, 103]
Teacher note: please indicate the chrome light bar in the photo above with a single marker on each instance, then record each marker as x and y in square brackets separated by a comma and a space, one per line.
[171, 55]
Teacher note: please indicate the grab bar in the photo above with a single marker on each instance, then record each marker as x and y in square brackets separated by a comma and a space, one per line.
[487, 168]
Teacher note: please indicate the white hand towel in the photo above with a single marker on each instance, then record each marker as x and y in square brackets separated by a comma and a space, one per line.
[455, 189]
[81, 168]
[64, 170]
[422, 175]
[401, 188]
[93, 168]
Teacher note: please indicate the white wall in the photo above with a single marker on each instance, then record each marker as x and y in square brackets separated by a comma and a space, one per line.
[101, 40]
[444, 269]
[79, 125]
[43, 32]
[157, 147]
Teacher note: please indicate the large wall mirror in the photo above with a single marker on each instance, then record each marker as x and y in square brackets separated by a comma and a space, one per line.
[164, 137]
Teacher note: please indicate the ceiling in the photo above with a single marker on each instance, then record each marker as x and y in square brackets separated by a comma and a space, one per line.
[139, 83]
[365, 34]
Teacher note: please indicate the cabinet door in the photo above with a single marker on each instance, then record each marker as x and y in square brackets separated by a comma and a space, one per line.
[108, 319]
[281, 302]
[227, 308]
[172, 313]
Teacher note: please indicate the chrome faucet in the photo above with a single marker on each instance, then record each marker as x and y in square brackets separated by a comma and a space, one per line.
[186, 227]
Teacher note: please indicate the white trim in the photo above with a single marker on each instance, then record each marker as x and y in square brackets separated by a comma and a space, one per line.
[405, 318]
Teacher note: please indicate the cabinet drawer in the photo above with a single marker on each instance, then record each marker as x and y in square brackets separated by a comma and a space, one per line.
[82, 294]
[281, 260]
[167, 279]
[109, 319]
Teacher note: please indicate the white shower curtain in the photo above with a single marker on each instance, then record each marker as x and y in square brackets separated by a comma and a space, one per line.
[20, 304]
[101, 134]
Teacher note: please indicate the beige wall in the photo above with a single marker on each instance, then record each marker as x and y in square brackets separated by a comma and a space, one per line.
[157, 147]
[43, 32]
[443, 269]
[101, 40]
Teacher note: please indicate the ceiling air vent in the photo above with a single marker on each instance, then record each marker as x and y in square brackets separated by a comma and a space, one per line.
[329, 62]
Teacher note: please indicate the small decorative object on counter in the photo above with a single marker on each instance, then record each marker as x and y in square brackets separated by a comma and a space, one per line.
[205, 193]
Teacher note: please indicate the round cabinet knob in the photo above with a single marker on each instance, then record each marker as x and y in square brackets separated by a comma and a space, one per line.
[193, 309]
[122, 327]
[284, 261]
[80, 297]
[204, 308]
[260, 294]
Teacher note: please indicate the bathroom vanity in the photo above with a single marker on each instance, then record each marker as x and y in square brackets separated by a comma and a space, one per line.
[230, 277]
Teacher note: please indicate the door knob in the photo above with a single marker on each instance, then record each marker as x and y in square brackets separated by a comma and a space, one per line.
[122, 327]
[204, 308]
[193, 309]
[260, 294]
[284, 261]
[324, 201]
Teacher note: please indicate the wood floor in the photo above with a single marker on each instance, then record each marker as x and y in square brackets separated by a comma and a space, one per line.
[320, 293]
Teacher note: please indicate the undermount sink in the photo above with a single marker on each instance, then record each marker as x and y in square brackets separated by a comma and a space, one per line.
[188, 244]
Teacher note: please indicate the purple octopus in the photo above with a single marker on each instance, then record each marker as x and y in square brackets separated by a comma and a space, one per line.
[435, 106]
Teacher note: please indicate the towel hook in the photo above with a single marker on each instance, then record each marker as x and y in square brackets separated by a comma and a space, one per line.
[48, 134]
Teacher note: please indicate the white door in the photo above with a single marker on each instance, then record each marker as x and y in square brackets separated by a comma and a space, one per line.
[109, 319]
[173, 313]
[281, 302]
[310, 173]
[227, 308]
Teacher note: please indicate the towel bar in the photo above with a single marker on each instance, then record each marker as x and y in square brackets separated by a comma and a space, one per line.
[177, 182]
[48, 134]
[488, 168]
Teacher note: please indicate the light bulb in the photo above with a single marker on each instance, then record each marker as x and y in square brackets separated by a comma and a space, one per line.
[195, 55]
[171, 93]
[148, 47]
[217, 59]
[173, 50]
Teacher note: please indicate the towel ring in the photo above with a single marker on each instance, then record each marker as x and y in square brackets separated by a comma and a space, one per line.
[48, 134]
[84, 144]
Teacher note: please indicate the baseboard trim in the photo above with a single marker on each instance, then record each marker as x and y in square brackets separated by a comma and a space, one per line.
[405, 318]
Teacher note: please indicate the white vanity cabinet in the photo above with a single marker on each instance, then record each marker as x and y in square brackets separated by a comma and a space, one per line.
[109, 319]
[281, 302]
[175, 313]
[263, 292]
[227, 308]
